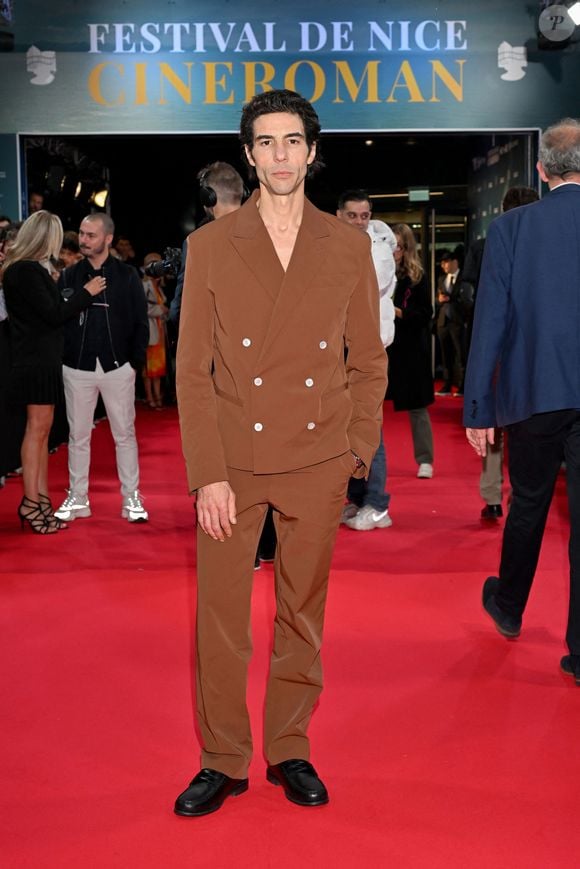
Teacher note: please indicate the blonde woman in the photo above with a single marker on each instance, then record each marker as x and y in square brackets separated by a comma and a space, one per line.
[36, 313]
[410, 374]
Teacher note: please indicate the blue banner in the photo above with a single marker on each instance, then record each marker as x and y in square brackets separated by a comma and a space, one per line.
[183, 67]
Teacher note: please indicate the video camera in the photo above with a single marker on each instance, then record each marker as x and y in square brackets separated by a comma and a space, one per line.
[169, 265]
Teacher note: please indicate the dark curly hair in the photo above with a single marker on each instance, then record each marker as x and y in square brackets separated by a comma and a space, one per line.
[269, 102]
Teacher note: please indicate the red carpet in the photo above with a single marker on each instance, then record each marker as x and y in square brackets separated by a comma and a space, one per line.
[442, 744]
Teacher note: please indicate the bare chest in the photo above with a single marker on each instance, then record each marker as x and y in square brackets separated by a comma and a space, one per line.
[283, 242]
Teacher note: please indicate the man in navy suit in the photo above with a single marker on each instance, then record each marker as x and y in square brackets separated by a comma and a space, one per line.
[524, 373]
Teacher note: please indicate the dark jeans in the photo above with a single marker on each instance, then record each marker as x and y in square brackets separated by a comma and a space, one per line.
[537, 448]
[372, 491]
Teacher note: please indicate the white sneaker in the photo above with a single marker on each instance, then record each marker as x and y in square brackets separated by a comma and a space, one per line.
[425, 471]
[73, 507]
[133, 510]
[349, 511]
[368, 518]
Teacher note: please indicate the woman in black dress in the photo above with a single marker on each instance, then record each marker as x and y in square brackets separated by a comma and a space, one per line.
[36, 313]
[410, 373]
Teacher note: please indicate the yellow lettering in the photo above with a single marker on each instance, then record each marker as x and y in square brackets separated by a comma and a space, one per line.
[95, 91]
[212, 83]
[182, 88]
[253, 82]
[370, 73]
[141, 84]
[410, 82]
[319, 79]
[454, 85]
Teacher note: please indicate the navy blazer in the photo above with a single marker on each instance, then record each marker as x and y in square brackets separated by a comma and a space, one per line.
[525, 348]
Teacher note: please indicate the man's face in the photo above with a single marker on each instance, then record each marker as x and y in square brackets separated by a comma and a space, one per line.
[279, 153]
[356, 213]
[449, 266]
[36, 202]
[93, 241]
[69, 257]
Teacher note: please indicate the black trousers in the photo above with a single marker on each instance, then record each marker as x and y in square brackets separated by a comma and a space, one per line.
[537, 448]
[450, 336]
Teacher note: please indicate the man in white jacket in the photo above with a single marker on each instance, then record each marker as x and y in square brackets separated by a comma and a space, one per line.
[368, 502]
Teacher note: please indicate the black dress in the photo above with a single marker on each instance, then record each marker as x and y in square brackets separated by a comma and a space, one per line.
[410, 375]
[36, 313]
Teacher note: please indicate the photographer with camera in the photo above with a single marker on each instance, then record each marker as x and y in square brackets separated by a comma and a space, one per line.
[104, 346]
[221, 191]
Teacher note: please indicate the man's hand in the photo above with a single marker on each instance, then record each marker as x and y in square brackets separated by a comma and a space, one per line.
[216, 510]
[479, 438]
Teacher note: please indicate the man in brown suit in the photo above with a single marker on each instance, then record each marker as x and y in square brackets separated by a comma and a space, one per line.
[271, 414]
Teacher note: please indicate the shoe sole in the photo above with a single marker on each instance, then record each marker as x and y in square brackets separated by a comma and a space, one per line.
[125, 515]
[83, 513]
[510, 635]
[571, 674]
[277, 783]
[370, 527]
[240, 789]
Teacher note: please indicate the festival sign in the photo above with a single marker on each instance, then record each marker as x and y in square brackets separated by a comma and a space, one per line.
[189, 67]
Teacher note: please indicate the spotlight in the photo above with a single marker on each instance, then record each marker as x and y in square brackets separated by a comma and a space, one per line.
[99, 198]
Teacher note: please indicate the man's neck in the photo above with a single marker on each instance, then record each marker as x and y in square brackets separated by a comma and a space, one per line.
[97, 261]
[281, 212]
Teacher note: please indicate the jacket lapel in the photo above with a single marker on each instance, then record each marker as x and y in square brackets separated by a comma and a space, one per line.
[308, 257]
[253, 244]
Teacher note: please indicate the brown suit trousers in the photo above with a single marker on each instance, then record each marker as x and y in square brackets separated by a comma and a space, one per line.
[307, 506]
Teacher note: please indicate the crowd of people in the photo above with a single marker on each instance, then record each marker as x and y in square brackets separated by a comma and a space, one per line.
[408, 321]
[280, 380]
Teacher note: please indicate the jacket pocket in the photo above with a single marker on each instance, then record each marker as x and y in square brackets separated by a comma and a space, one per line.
[227, 397]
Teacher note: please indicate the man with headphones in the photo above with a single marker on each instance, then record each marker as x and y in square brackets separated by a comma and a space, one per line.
[221, 191]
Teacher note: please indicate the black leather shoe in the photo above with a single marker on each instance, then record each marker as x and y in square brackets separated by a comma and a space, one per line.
[509, 626]
[207, 792]
[300, 782]
[492, 511]
[570, 664]
[444, 389]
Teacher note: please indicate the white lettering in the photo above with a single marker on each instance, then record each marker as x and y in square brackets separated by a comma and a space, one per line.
[176, 30]
[124, 37]
[455, 32]
[342, 36]
[247, 35]
[199, 28]
[384, 38]
[420, 36]
[404, 25]
[269, 27]
[97, 38]
[221, 43]
[305, 36]
[149, 37]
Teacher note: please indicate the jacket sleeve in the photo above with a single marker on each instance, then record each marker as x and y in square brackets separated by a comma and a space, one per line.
[366, 363]
[201, 441]
[140, 335]
[489, 329]
[39, 294]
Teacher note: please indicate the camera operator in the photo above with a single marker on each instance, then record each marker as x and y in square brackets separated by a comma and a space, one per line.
[221, 191]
